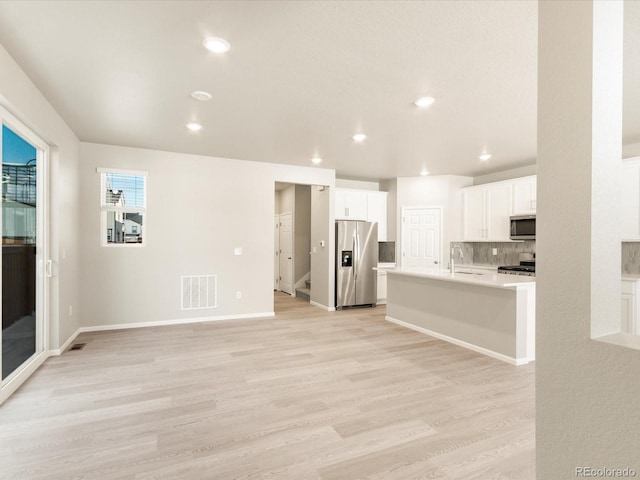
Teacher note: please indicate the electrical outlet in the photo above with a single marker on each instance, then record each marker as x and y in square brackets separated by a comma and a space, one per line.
[237, 251]
[495, 251]
[238, 295]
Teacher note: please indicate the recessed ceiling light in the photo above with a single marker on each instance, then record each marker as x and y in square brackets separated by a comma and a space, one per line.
[193, 126]
[424, 172]
[423, 102]
[201, 95]
[359, 137]
[216, 45]
[316, 160]
[485, 156]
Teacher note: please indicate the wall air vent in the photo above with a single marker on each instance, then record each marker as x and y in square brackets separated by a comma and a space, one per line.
[198, 292]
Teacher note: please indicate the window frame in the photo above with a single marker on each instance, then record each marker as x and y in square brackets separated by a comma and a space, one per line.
[105, 209]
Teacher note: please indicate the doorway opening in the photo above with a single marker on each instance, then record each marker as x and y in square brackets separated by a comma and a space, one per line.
[301, 242]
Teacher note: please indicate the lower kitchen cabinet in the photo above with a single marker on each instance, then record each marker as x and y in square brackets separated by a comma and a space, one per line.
[629, 307]
[382, 287]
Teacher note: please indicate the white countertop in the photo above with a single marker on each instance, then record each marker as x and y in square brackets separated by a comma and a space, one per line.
[496, 280]
[385, 266]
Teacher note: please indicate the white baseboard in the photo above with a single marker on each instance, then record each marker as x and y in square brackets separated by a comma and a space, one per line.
[65, 345]
[323, 307]
[460, 343]
[182, 321]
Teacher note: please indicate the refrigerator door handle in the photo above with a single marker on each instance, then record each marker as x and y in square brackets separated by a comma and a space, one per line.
[355, 255]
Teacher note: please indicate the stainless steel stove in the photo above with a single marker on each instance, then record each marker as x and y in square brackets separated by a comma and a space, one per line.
[526, 267]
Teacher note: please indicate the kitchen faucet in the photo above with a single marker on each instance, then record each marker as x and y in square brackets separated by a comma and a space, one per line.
[452, 266]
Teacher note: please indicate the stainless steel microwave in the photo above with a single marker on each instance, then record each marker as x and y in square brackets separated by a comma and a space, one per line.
[523, 227]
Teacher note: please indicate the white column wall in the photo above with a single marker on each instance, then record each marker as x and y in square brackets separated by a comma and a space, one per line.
[587, 392]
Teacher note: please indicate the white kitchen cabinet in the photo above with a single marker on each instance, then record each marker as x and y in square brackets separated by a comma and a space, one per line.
[350, 204]
[498, 212]
[524, 195]
[377, 212]
[486, 212]
[474, 214]
[629, 307]
[382, 287]
[366, 205]
[630, 199]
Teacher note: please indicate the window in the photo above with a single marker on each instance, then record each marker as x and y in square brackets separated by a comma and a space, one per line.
[123, 202]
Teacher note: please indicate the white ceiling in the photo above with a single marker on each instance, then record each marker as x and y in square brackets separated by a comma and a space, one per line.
[300, 79]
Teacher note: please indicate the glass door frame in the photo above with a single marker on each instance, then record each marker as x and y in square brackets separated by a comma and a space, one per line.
[43, 262]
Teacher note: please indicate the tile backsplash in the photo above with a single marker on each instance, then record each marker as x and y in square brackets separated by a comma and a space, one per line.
[481, 253]
[387, 252]
[631, 258]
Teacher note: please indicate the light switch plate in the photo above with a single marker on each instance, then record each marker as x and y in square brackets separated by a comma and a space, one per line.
[237, 251]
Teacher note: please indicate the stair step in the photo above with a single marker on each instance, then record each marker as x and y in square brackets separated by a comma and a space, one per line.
[303, 293]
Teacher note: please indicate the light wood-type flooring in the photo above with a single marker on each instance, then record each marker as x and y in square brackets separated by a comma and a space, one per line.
[305, 395]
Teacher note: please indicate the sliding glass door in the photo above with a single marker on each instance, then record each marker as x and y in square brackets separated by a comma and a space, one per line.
[24, 270]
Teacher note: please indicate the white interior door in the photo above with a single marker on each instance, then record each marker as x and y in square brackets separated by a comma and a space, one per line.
[276, 251]
[286, 253]
[421, 230]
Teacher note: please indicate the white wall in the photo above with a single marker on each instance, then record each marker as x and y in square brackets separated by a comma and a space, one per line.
[287, 200]
[391, 187]
[322, 279]
[218, 204]
[631, 150]
[20, 97]
[302, 232]
[433, 191]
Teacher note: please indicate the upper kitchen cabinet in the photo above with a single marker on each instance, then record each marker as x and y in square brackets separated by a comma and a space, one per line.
[377, 212]
[365, 205]
[486, 212]
[350, 204]
[630, 199]
[524, 195]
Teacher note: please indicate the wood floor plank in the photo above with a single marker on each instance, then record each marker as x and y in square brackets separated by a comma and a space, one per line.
[304, 395]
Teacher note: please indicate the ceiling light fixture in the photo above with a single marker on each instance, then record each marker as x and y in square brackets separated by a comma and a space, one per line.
[485, 156]
[216, 45]
[201, 95]
[424, 172]
[424, 102]
[359, 137]
[316, 160]
[193, 126]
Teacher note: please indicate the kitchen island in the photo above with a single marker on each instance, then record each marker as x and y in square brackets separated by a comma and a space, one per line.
[490, 313]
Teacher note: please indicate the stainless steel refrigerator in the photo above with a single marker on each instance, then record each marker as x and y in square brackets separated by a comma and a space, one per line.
[356, 256]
